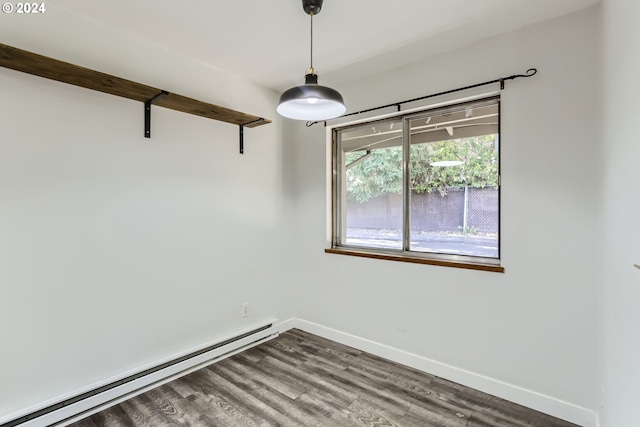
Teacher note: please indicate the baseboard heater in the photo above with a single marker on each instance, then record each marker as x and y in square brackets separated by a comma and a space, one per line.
[84, 404]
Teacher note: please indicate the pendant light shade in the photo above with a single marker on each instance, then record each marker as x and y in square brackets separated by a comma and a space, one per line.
[311, 101]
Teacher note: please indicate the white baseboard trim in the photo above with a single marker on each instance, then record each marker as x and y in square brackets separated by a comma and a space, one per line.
[285, 325]
[531, 399]
[73, 412]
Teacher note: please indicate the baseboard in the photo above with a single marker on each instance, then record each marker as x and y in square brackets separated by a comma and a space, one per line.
[531, 399]
[291, 323]
[74, 406]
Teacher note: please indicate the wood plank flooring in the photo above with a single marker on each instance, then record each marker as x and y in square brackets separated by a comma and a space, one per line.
[299, 379]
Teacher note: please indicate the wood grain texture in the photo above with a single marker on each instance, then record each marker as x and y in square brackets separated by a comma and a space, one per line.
[415, 260]
[300, 379]
[210, 111]
[43, 66]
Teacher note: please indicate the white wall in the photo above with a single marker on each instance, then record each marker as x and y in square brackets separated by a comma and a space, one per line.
[620, 366]
[116, 250]
[532, 327]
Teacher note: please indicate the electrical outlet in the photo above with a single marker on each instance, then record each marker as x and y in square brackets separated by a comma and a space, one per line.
[245, 309]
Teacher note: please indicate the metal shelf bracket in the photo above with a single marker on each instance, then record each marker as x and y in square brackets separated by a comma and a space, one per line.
[147, 112]
[242, 132]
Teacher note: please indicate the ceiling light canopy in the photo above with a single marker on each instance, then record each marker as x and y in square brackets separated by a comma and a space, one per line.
[311, 101]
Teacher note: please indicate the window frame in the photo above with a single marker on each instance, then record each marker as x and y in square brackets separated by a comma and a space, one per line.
[338, 198]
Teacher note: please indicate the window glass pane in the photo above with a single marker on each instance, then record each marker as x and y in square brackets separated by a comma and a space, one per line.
[372, 181]
[453, 168]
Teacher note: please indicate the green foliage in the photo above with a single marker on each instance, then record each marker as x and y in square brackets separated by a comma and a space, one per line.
[468, 230]
[381, 171]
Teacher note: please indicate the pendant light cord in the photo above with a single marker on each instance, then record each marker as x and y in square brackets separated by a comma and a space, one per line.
[312, 70]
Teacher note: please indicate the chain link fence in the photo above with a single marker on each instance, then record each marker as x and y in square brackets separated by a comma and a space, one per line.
[461, 210]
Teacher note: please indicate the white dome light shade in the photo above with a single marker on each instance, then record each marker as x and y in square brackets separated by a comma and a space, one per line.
[311, 102]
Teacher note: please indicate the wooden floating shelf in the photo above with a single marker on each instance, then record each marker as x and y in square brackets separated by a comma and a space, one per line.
[42, 66]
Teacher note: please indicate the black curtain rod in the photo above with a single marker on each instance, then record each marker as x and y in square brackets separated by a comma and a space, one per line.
[530, 72]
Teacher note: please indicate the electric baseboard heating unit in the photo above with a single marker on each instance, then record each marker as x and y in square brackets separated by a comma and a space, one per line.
[82, 405]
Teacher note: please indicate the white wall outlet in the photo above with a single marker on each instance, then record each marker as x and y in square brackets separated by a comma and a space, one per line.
[245, 309]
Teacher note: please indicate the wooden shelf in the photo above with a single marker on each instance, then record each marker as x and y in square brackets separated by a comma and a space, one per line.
[38, 65]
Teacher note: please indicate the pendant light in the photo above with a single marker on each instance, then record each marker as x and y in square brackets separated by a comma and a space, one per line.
[311, 101]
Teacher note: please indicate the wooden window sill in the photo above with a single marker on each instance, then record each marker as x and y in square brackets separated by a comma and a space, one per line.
[416, 260]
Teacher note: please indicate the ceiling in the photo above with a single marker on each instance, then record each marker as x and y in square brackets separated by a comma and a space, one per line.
[268, 41]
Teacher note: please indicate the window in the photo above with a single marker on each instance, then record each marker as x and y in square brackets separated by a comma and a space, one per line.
[423, 187]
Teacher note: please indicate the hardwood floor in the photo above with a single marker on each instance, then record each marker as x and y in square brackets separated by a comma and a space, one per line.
[299, 379]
